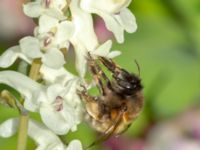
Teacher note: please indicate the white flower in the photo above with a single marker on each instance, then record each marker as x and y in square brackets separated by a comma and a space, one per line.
[74, 145]
[29, 89]
[115, 14]
[29, 49]
[102, 50]
[61, 108]
[49, 7]
[110, 6]
[53, 33]
[50, 75]
[9, 127]
[45, 139]
[59, 105]
[84, 38]
[84, 30]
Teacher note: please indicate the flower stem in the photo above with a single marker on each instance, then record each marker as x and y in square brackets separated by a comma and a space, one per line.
[23, 129]
[24, 117]
[34, 72]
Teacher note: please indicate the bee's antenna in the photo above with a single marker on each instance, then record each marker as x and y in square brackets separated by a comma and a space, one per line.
[138, 67]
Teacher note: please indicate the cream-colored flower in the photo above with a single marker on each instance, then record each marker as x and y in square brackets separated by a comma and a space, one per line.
[85, 40]
[59, 105]
[101, 50]
[104, 50]
[51, 8]
[29, 49]
[44, 138]
[53, 33]
[115, 14]
[50, 75]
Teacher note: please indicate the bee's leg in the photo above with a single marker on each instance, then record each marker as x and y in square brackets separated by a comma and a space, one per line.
[120, 74]
[84, 94]
[109, 132]
[92, 104]
[111, 65]
[98, 74]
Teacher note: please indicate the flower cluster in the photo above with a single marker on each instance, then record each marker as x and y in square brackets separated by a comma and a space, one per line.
[61, 24]
[45, 138]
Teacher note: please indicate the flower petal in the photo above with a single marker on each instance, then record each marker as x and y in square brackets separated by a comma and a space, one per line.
[11, 55]
[64, 114]
[51, 75]
[46, 23]
[103, 50]
[114, 54]
[28, 88]
[83, 22]
[53, 91]
[127, 20]
[65, 31]
[30, 46]
[45, 138]
[109, 6]
[33, 9]
[55, 13]
[81, 54]
[116, 16]
[70, 116]
[54, 120]
[71, 96]
[9, 127]
[53, 58]
[74, 145]
[59, 4]
[113, 26]
[72, 100]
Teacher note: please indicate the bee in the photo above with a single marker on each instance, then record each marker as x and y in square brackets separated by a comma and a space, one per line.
[120, 100]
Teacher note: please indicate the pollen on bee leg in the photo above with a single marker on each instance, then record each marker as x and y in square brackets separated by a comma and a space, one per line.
[58, 103]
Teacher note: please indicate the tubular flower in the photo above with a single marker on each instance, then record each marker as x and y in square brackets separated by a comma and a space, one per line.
[115, 14]
[59, 105]
[53, 33]
[49, 7]
[45, 138]
[29, 49]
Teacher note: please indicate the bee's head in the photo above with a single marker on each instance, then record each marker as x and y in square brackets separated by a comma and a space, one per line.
[127, 82]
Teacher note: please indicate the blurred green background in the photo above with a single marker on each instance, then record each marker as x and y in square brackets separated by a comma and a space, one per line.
[167, 48]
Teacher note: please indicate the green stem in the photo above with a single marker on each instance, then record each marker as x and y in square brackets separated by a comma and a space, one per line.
[34, 72]
[23, 129]
[24, 117]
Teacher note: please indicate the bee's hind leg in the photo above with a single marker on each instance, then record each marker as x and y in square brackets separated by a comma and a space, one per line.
[98, 74]
[108, 63]
[84, 95]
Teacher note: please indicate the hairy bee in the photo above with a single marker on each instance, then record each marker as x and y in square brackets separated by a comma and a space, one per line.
[120, 100]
